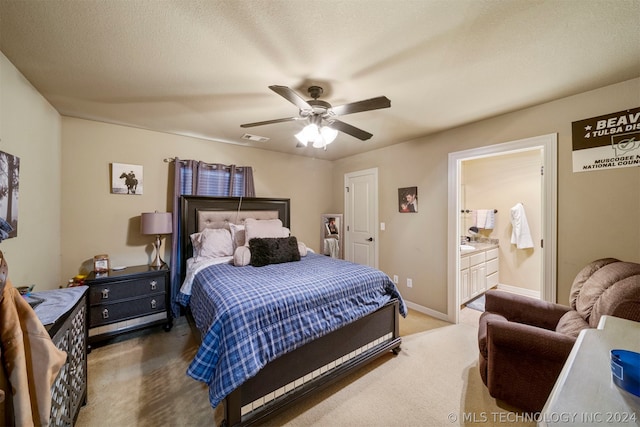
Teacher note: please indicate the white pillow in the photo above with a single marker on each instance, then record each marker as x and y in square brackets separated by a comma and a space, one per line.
[242, 256]
[212, 243]
[262, 228]
[302, 248]
[237, 234]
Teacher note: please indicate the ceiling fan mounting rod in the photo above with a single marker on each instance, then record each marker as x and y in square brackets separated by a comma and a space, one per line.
[315, 91]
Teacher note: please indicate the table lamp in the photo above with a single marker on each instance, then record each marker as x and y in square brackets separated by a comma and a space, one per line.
[156, 223]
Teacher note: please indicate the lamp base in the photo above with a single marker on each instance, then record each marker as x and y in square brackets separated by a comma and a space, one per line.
[157, 262]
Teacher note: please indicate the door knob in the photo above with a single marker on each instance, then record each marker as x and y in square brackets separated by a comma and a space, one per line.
[370, 239]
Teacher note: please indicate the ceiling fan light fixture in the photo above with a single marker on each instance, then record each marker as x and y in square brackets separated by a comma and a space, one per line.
[327, 136]
[309, 134]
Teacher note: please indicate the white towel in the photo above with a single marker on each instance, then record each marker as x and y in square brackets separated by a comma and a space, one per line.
[491, 219]
[520, 236]
[481, 218]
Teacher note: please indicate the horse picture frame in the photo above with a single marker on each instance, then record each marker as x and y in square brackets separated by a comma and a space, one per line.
[126, 179]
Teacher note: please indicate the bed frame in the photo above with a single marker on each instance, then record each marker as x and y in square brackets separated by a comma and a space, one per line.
[315, 365]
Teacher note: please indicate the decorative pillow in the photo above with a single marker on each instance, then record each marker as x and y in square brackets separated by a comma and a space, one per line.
[241, 256]
[237, 235]
[302, 248]
[212, 243]
[261, 228]
[273, 250]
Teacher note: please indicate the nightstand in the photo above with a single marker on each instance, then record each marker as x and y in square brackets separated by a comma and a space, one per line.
[126, 300]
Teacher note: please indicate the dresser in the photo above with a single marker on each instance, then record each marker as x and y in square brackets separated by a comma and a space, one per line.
[126, 300]
[63, 312]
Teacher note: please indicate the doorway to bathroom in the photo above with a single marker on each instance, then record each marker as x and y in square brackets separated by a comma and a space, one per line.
[496, 179]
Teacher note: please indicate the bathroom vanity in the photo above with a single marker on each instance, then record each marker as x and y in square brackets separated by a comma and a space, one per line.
[478, 270]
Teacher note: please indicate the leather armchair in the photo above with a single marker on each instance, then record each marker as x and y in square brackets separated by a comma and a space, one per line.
[525, 342]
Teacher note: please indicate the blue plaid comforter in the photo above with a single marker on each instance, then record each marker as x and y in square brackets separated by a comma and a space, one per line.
[249, 316]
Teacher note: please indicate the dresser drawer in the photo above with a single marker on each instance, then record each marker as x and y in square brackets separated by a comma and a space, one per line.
[110, 313]
[114, 291]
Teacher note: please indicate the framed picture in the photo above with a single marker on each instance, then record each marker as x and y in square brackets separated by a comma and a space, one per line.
[408, 199]
[101, 263]
[126, 179]
[331, 235]
[9, 186]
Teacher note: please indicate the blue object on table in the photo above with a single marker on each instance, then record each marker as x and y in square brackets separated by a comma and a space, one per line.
[625, 370]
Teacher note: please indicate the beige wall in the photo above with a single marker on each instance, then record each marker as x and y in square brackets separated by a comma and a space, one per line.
[96, 221]
[67, 213]
[499, 182]
[597, 210]
[30, 129]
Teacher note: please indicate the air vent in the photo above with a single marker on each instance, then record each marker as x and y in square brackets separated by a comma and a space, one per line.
[254, 137]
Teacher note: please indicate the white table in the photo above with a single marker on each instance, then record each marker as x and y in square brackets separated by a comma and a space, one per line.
[584, 394]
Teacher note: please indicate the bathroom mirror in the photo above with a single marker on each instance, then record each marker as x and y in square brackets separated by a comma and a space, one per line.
[331, 235]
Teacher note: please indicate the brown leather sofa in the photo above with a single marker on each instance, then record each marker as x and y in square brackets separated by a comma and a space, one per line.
[524, 342]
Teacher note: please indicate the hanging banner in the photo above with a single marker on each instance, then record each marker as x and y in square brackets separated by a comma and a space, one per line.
[607, 142]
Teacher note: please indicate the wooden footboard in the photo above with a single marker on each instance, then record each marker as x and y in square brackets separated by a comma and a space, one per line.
[314, 366]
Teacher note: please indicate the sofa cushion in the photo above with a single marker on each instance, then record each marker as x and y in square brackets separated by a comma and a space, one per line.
[607, 287]
[571, 323]
[584, 275]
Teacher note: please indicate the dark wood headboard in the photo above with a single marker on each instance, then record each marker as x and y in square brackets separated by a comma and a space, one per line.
[194, 207]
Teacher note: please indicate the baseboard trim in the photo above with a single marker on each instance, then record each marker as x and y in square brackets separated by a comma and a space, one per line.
[426, 310]
[520, 291]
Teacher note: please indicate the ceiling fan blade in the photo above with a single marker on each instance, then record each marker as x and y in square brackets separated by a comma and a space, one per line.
[268, 122]
[366, 105]
[351, 130]
[291, 96]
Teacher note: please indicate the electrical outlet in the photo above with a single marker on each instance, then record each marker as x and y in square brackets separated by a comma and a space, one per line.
[395, 279]
[409, 283]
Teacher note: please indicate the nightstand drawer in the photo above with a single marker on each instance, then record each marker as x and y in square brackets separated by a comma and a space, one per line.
[114, 291]
[110, 313]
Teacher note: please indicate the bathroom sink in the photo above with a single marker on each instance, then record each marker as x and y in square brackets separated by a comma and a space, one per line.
[467, 248]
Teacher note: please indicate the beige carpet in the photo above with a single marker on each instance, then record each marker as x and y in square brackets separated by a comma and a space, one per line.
[434, 381]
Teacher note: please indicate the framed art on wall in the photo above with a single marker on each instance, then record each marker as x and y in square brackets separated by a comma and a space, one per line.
[9, 186]
[126, 179]
[408, 199]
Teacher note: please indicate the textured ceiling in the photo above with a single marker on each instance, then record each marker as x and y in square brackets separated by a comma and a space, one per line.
[202, 68]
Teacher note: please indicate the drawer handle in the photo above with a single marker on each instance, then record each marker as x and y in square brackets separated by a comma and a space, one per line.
[154, 285]
[105, 313]
[153, 303]
[105, 293]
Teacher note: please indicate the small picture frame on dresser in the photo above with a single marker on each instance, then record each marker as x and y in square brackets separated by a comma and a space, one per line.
[101, 263]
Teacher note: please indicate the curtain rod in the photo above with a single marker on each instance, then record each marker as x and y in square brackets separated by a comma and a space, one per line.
[173, 159]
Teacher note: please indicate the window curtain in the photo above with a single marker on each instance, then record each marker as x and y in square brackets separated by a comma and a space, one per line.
[192, 177]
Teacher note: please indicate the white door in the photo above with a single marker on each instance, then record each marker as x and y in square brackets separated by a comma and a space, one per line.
[361, 217]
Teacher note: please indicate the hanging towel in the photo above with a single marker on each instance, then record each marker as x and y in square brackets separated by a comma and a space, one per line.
[520, 236]
[481, 218]
[491, 219]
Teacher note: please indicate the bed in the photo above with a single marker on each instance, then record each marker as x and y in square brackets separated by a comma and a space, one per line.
[274, 334]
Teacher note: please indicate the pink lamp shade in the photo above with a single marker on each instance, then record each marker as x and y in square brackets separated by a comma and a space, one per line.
[156, 223]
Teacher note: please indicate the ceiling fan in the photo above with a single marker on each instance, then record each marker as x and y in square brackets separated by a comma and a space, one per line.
[322, 114]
